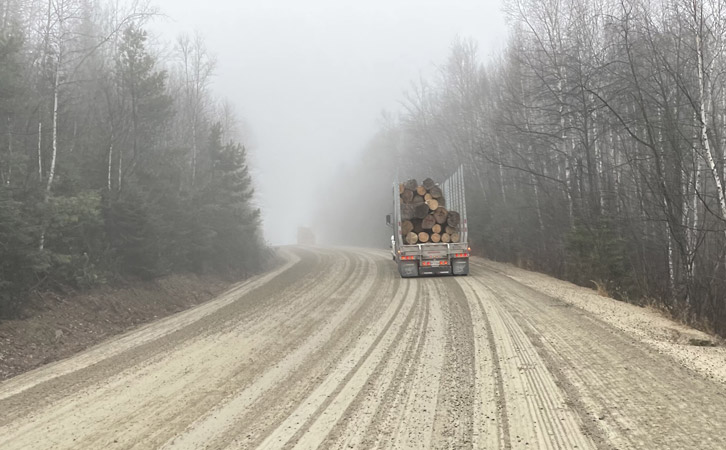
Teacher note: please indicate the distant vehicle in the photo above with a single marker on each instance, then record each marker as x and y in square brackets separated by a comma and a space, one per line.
[416, 246]
[305, 236]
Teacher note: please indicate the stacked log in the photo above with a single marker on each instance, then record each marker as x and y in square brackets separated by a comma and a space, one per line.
[424, 215]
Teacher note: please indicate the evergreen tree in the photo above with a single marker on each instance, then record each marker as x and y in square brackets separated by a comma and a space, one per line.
[94, 178]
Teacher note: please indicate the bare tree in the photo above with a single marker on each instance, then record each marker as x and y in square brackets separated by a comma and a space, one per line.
[196, 67]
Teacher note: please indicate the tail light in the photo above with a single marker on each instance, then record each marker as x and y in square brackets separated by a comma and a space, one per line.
[461, 255]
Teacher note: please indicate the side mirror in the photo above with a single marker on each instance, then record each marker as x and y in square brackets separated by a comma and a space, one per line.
[388, 220]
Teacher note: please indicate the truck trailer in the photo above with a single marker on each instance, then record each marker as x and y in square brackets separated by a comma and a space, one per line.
[428, 257]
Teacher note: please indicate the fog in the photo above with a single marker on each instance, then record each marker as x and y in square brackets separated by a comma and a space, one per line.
[311, 79]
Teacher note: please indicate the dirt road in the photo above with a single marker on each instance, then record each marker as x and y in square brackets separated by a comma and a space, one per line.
[334, 350]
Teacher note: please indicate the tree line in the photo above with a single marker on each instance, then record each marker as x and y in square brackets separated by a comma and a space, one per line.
[595, 147]
[114, 160]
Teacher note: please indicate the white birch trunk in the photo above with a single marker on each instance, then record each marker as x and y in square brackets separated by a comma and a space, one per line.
[110, 159]
[54, 143]
[502, 186]
[54, 146]
[10, 151]
[693, 229]
[568, 171]
[537, 203]
[194, 152]
[723, 128]
[40, 151]
[120, 170]
[600, 175]
[708, 153]
[671, 271]
[570, 203]
[617, 175]
[5, 17]
[73, 141]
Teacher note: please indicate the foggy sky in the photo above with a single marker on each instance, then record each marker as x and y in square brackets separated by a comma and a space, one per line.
[311, 78]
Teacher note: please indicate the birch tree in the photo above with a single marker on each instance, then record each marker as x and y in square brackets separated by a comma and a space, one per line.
[196, 67]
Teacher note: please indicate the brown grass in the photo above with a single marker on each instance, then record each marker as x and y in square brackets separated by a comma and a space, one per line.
[600, 288]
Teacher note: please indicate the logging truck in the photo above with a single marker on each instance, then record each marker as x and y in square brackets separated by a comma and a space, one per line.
[430, 234]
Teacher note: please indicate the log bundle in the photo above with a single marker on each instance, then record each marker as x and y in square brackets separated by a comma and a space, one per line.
[424, 217]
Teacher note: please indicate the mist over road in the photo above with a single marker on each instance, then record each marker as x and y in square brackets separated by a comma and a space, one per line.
[334, 350]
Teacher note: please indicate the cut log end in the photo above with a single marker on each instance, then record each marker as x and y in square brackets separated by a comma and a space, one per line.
[417, 228]
[406, 227]
[423, 237]
[411, 238]
[407, 211]
[420, 211]
[428, 222]
[435, 238]
[420, 190]
[407, 196]
[441, 214]
[454, 219]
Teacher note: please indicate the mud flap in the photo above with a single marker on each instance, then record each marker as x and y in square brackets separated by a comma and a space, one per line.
[408, 269]
[460, 266]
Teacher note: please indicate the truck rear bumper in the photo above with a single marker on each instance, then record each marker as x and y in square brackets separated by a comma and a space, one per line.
[458, 266]
[442, 270]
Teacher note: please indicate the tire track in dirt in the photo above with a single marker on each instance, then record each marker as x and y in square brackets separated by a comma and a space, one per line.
[313, 433]
[337, 351]
[56, 385]
[146, 333]
[454, 422]
[536, 409]
[606, 435]
[372, 406]
[146, 404]
[288, 341]
[309, 424]
[491, 420]
[260, 398]
[627, 394]
[417, 410]
[119, 394]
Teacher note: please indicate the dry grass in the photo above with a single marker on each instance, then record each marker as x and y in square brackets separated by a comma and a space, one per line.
[601, 289]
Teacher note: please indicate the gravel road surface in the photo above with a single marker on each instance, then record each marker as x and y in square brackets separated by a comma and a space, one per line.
[334, 350]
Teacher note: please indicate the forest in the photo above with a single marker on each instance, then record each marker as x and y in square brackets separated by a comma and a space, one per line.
[116, 159]
[594, 146]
